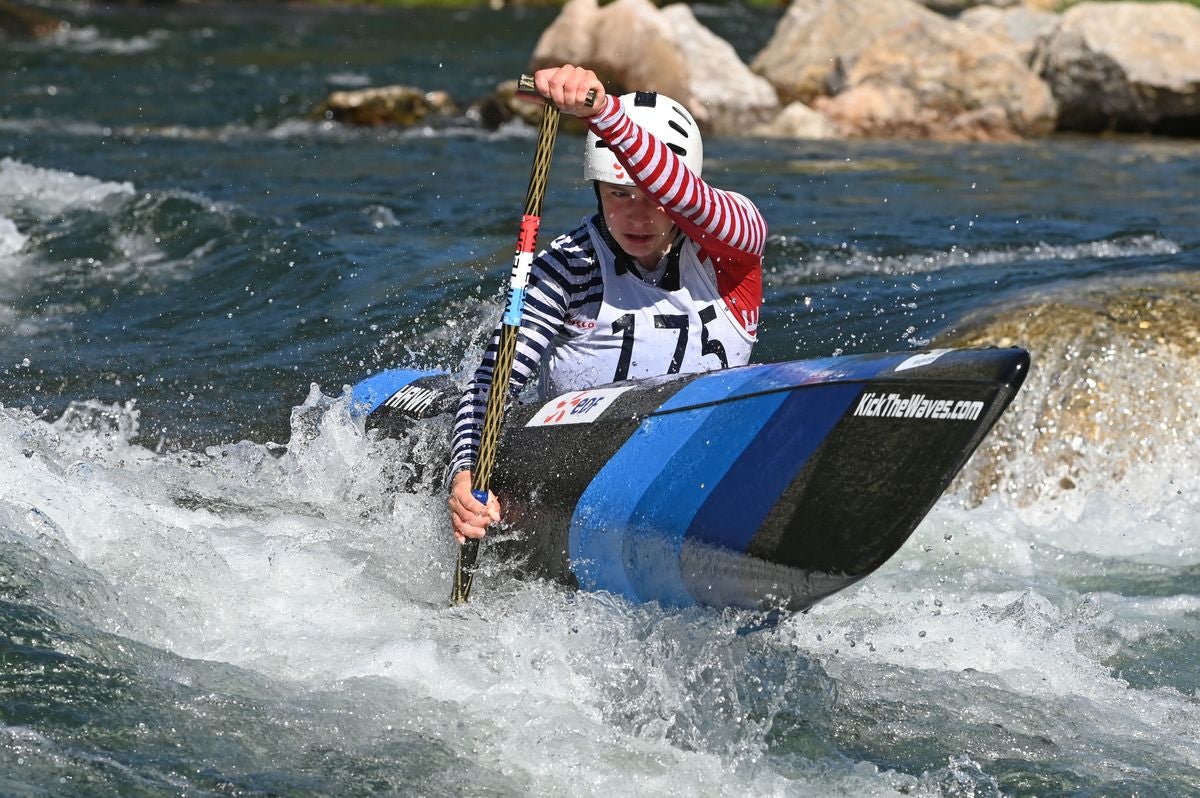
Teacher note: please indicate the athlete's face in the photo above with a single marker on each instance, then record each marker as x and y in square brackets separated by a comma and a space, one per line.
[637, 222]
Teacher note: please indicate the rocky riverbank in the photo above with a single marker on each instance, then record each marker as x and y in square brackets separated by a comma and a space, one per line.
[965, 70]
[22, 22]
[872, 68]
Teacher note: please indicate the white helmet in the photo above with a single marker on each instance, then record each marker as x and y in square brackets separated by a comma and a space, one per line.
[663, 118]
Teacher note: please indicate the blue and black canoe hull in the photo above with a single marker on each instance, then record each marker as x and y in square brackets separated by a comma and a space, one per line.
[766, 486]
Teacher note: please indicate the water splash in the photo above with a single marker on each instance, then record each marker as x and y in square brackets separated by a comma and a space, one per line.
[808, 265]
[1109, 398]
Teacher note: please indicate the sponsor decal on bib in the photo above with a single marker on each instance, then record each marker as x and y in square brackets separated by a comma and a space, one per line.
[577, 407]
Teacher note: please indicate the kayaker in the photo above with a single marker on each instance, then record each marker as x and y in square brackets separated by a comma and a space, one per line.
[666, 278]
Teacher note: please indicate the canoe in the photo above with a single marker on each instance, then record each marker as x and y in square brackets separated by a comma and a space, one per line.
[767, 486]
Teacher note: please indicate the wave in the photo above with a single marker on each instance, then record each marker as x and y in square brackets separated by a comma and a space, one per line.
[31, 198]
[84, 129]
[797, 264]
[285, 130]
[183, 529]
[50, 191]
[63, 233]
[302, 566]
[89, 39]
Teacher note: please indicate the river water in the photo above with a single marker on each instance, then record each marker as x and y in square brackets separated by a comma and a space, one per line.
[191, 270]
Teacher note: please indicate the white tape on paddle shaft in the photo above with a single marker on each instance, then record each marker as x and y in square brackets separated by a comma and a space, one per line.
[522, 266]
[577, 407]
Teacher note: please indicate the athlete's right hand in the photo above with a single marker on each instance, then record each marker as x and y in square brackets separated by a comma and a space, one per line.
[469, 517]
[567, 87]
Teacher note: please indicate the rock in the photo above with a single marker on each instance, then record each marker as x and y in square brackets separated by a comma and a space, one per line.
[817, 39]
[505, 105]
[730, 96]
[952, 8]
[626, 42]
[934, 78]
[798, 121]
[1108, 392]
[956, 7]
[1125, 66]
[632, 45]
[1022, 27]
[26, 23]
[386, 105]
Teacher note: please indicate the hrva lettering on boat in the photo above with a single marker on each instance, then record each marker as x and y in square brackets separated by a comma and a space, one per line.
[919, 406]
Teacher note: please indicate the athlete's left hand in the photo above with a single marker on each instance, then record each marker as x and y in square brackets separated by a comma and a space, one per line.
[469, 517]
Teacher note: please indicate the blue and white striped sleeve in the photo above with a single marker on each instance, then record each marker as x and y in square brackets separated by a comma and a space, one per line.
[549, 302]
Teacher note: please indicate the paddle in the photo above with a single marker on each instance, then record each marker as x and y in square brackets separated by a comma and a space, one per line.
[493, 414]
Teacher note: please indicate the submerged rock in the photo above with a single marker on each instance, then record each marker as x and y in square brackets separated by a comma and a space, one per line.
[386, 105]
[505, 104]
[1110, 390]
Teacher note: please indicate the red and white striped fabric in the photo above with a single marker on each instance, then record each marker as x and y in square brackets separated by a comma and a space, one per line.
[726, 224]
[566, 290]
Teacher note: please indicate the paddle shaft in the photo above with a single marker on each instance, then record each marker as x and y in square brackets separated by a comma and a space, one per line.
[493, 416]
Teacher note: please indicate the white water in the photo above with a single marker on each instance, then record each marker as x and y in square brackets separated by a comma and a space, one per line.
[50, 191]
[1016, 631]
[302, 568]
[852, 261]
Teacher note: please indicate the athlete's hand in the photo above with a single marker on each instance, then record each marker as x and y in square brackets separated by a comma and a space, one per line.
[568, 86]
[469, 517]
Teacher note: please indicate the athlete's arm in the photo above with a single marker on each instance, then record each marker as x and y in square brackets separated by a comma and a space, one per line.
[557, 287]
[726, 224]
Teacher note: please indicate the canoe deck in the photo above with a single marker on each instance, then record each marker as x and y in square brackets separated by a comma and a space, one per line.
[765, 486]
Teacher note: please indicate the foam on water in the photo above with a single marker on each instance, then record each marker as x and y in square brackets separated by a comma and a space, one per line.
[354, 80]
[306, 568]
[89, 39]
[50, 191]
[851, 261]
[1104, 419]
[242, 619]
[11, 239]
[1031, 626]
[262, 562]
[983, 628]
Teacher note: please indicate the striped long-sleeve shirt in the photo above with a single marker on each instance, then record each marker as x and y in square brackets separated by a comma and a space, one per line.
[565, 286]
